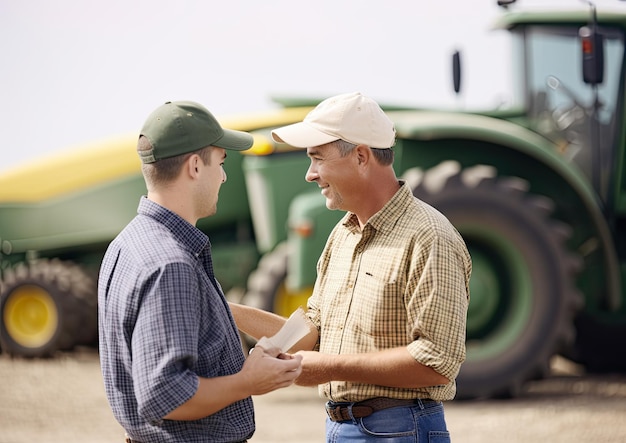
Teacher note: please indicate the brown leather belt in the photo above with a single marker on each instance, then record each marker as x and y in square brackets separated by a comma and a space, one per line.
[365, 408]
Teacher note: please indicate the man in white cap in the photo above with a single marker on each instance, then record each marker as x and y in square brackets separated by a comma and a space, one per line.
[388, 310]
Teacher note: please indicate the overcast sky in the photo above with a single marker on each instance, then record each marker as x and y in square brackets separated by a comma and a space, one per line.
[76, 71]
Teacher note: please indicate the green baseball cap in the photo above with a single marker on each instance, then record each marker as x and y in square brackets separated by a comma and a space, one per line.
[176, 128]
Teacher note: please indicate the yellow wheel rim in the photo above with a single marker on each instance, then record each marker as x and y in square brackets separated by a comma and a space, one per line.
[30, 316]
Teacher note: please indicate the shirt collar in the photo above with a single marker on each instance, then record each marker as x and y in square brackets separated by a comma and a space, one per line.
[190, 236]
[386, 218]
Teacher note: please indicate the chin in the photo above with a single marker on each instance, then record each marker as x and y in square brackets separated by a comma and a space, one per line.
[333, 206]
[210, 212]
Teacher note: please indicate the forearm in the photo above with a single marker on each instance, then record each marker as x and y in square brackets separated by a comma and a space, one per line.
[391, 367]
[256, 322]
[261, 373]
[213, 394]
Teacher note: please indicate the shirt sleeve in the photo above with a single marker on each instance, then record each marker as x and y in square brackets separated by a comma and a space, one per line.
[165, 341]
[437, 307]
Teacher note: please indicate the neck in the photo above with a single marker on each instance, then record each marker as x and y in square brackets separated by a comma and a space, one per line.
[374, 197]
[171, 199]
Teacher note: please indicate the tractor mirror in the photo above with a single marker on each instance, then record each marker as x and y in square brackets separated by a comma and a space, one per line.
[592, 47]
[456, 71]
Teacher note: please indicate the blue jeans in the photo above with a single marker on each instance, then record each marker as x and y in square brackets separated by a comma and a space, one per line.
[422, 423]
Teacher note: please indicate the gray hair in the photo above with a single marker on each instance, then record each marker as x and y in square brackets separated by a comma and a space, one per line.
[382, 156]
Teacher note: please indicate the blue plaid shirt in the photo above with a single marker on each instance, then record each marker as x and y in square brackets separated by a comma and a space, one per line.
[164, 321]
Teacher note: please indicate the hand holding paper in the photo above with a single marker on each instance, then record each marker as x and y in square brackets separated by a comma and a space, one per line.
[295, 328]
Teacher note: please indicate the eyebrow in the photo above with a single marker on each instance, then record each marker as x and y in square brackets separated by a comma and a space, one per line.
[312, 151]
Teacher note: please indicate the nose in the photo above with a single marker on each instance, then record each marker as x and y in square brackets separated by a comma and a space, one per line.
[224, 176]
[311, 174]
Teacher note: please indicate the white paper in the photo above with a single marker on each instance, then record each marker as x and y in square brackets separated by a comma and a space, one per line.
[295, 328]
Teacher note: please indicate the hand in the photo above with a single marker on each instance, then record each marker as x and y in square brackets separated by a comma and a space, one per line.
[266, 373]
[268, 347]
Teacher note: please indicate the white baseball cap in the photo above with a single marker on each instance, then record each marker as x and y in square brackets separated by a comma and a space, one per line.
[351, 117]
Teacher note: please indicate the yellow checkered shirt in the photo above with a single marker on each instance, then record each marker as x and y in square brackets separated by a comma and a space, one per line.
[401, 281]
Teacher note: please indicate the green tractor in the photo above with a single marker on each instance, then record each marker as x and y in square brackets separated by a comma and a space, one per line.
[537, 189]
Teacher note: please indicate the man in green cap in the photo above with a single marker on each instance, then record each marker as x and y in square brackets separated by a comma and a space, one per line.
[171, 356]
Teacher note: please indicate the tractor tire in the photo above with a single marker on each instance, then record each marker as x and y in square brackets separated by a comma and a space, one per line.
[266, 287]
[46, 306]
[522, 295]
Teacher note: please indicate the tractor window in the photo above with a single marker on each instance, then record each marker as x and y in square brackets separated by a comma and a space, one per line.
[561, 104]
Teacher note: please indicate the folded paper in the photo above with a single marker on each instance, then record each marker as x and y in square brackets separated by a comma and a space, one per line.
[295, 329]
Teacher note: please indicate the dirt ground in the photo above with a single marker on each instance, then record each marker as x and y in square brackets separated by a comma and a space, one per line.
[62, 400]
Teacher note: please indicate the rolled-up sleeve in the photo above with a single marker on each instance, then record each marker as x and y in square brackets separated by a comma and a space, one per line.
[164, 341]
[437, 306]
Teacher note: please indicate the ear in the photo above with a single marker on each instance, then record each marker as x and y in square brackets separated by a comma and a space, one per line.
[191, 166]
[363, 155]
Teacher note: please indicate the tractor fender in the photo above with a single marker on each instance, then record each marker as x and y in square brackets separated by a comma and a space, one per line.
[428, 129]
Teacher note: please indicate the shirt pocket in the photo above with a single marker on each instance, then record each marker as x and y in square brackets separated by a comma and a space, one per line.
[379, 308]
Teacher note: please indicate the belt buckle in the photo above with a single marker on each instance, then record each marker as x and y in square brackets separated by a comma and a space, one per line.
[334, 412]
